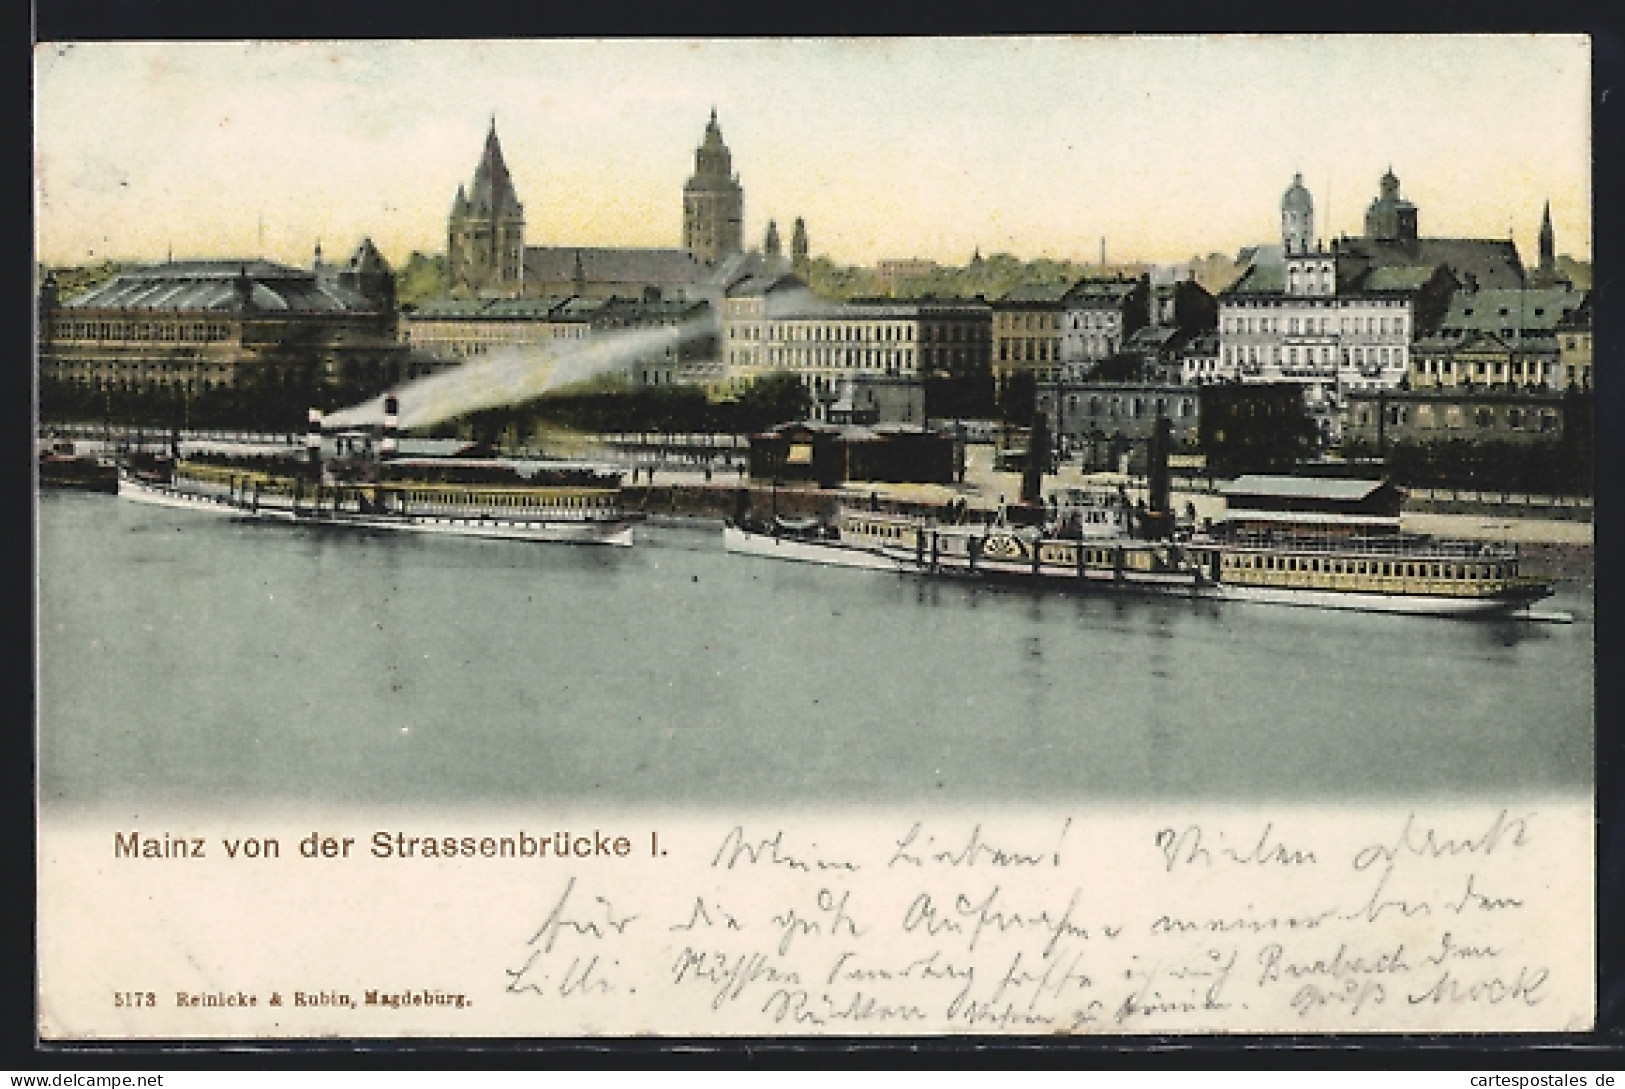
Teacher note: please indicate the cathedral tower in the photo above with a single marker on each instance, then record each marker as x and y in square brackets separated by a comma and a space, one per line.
[713, 202]
[485, 236]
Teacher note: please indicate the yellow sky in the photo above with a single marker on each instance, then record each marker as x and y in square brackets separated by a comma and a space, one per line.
[1166, 146]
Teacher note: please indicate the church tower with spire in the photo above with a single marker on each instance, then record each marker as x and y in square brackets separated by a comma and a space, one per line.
[1548, 243]
[1546, 273]
[713, 202]
[485, 236]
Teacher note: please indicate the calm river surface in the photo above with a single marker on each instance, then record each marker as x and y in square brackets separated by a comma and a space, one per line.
[186, 658]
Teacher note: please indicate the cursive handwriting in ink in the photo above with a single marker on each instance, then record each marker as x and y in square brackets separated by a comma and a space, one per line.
[557, 922]
[701, 917]
[829, 918]
[1471, 897]
[974, 850]
[735, 850]
[1189, 846]
[1429, 844]
[729, 973]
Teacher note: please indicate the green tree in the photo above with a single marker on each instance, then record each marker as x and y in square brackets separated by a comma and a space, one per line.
[421, 278]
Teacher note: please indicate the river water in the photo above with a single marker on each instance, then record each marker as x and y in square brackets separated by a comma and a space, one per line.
[187, 658]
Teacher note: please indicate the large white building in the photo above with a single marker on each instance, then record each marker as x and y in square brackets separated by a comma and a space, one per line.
[773, 324]
[1330, 318]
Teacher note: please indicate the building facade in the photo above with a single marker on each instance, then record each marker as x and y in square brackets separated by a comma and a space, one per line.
[773, 324]
[1027, 333]
[1497, 339]
[1574, 347]
[458, 330]
[198, 326]
[1097, 317]
[1179, 313]
[1107, 425]
[1376, 420]
[1337, 319]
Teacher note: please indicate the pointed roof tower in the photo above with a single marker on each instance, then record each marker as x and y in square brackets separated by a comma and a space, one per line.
[798, 240]
[712, 159]
[493, 186]
[1548, 240]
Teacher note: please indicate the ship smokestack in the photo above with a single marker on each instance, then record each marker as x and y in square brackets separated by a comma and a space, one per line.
[313, 438]
[1038, 455]
[392, 423]
[1158, 521]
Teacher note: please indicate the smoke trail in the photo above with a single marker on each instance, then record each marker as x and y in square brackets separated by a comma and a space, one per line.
[515, 376]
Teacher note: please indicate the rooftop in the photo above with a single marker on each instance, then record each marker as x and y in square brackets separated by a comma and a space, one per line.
[219, 285]
[1300, 487]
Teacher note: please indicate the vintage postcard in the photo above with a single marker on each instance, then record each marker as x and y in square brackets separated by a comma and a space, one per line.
[1019, 535]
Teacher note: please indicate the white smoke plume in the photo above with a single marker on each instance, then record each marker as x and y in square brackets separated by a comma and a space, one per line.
[514, 376]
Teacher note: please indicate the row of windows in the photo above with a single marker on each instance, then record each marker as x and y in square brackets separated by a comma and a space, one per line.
[507, 500]
[1374, 326]
[125, 385]
[1029, 322]
[1354, 357]
[1498, 369]
[201, 332]
[1306, 282]
[842, 357]
[83, 371]
[787, 332]
[1384, 568]
[876, 530]
[1135, 408]
[1452, 417]
[1028, 348]
[1095, 347]
[513, 332]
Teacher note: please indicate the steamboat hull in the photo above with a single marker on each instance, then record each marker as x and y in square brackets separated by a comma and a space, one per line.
[555, 531]
[1092, 578]
[828, 553]
[1505, 602]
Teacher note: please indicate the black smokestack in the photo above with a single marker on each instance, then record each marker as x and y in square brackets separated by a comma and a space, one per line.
[1157, 479]
[1032, 479]
[313, 438]
[392, 423]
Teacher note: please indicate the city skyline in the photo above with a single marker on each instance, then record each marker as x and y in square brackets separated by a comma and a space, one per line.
[1166, 147]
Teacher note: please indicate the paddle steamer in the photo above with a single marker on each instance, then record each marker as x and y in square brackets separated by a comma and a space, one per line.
[566, 502]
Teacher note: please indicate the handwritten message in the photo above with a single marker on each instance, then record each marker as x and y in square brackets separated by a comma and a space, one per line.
[1302, 921]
